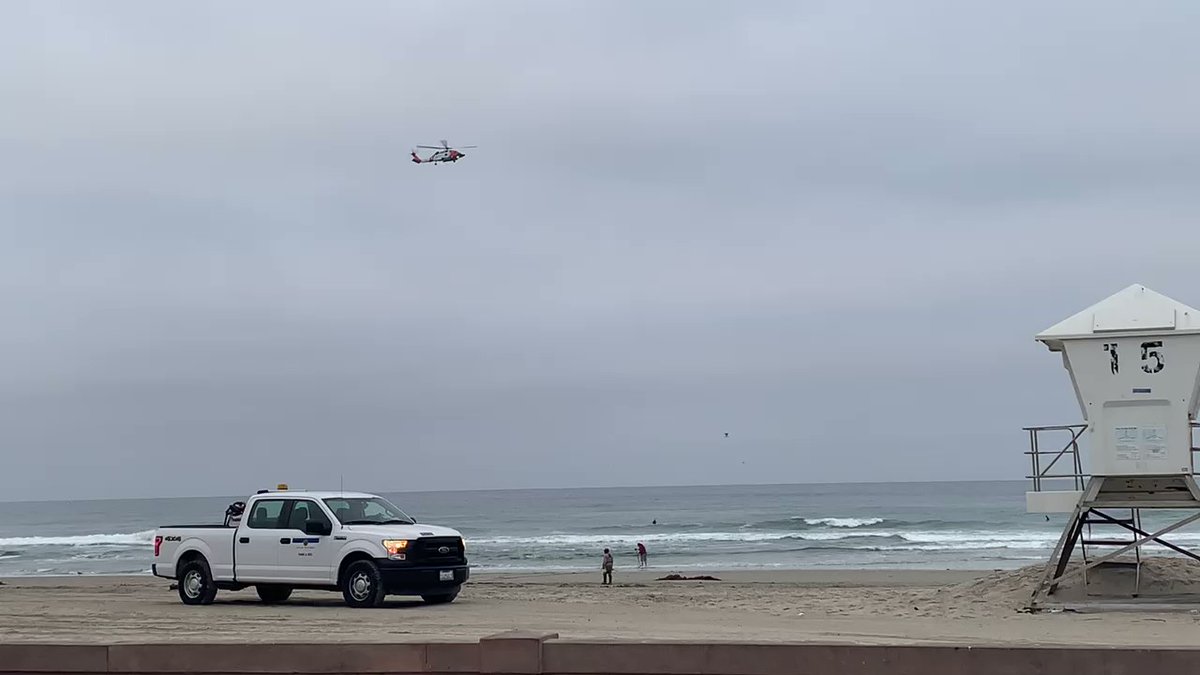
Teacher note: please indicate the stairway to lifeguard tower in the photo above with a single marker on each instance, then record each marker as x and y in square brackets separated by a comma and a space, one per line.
[1105, 530]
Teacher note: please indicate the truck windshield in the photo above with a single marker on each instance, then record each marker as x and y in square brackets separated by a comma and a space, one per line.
[367, 511]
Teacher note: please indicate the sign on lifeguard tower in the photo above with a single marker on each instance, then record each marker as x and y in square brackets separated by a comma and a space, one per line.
[1134, 360]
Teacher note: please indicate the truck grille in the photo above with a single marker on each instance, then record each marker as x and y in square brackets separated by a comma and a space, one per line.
[437, 551]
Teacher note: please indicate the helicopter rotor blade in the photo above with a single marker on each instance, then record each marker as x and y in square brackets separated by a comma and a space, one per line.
[430, 147]
[445, 146]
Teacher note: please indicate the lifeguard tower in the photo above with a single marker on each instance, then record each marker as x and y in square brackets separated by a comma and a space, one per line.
[1134, 361]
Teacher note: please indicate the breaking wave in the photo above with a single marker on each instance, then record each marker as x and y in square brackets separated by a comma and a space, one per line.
[843, 522]
[129, 539]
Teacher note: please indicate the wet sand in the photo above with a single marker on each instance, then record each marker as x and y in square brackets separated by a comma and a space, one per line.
[844, 606]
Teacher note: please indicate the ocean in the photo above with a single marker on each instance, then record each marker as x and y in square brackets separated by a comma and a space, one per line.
[977, 525]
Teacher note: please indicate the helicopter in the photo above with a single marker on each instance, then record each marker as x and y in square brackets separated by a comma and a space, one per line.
[444, 153]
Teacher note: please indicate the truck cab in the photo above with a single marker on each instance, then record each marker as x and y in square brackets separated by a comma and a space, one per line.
[356, 543]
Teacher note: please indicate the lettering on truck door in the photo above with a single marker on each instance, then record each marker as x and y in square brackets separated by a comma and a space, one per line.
[257, 543]
[306, 558]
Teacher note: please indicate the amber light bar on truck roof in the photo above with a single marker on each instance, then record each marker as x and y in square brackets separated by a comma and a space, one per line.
[282, 487]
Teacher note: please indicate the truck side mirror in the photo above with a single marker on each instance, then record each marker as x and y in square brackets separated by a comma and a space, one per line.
[317, 528]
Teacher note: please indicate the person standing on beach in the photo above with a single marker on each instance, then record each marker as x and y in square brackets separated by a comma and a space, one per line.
[641, 551]
[607, 566]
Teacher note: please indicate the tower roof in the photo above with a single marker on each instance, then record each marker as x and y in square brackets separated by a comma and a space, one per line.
[1136, 309]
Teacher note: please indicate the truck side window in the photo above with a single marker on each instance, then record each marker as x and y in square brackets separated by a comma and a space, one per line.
[265, 515]
[304, 511]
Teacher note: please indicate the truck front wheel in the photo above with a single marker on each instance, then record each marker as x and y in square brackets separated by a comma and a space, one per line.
[273, 594]
[196, 585]
[362, 585]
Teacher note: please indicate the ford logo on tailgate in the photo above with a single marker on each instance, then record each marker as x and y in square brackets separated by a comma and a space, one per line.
[443, 550]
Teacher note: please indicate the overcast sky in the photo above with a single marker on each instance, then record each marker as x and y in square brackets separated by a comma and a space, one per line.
[830, 229]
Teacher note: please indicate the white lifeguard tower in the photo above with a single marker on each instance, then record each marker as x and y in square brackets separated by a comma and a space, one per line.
[1134, 361]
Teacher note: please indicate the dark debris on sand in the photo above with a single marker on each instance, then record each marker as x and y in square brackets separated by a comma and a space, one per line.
[679, 577]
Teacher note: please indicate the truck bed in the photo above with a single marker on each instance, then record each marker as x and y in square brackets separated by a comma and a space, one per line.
[214, 541]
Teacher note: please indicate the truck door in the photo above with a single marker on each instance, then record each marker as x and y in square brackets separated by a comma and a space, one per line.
[306, 558]
[257, 545]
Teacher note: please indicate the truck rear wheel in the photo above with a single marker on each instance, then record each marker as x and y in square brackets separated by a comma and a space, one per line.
[362, 585]
[272, 594]
[196, 585]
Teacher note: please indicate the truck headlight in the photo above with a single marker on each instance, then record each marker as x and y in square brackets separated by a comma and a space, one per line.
[396, 548]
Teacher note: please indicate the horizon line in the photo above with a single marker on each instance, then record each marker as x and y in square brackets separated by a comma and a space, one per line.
[535, 489]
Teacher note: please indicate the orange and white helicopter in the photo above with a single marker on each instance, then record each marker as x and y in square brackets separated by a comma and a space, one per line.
[444, 153]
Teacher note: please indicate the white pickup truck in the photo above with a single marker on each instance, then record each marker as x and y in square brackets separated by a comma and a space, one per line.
[357, 543]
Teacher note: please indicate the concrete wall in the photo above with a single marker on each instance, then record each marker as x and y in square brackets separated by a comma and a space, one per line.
[535, 654]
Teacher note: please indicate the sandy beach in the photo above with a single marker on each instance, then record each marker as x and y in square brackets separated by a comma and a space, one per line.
[860, 607]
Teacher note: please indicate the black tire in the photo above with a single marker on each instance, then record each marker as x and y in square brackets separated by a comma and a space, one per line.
[272, 594]
[196, 585]
[441, 598]
[362, 585]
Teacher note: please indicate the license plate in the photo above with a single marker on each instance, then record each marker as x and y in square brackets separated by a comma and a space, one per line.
[446, 575]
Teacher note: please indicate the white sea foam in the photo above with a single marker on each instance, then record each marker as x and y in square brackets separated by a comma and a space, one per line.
[887, 539]
[128, 539]
[843, 522]
[855, 539]
[592, 540]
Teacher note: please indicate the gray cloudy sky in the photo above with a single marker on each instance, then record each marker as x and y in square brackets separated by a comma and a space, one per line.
[827, 228]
